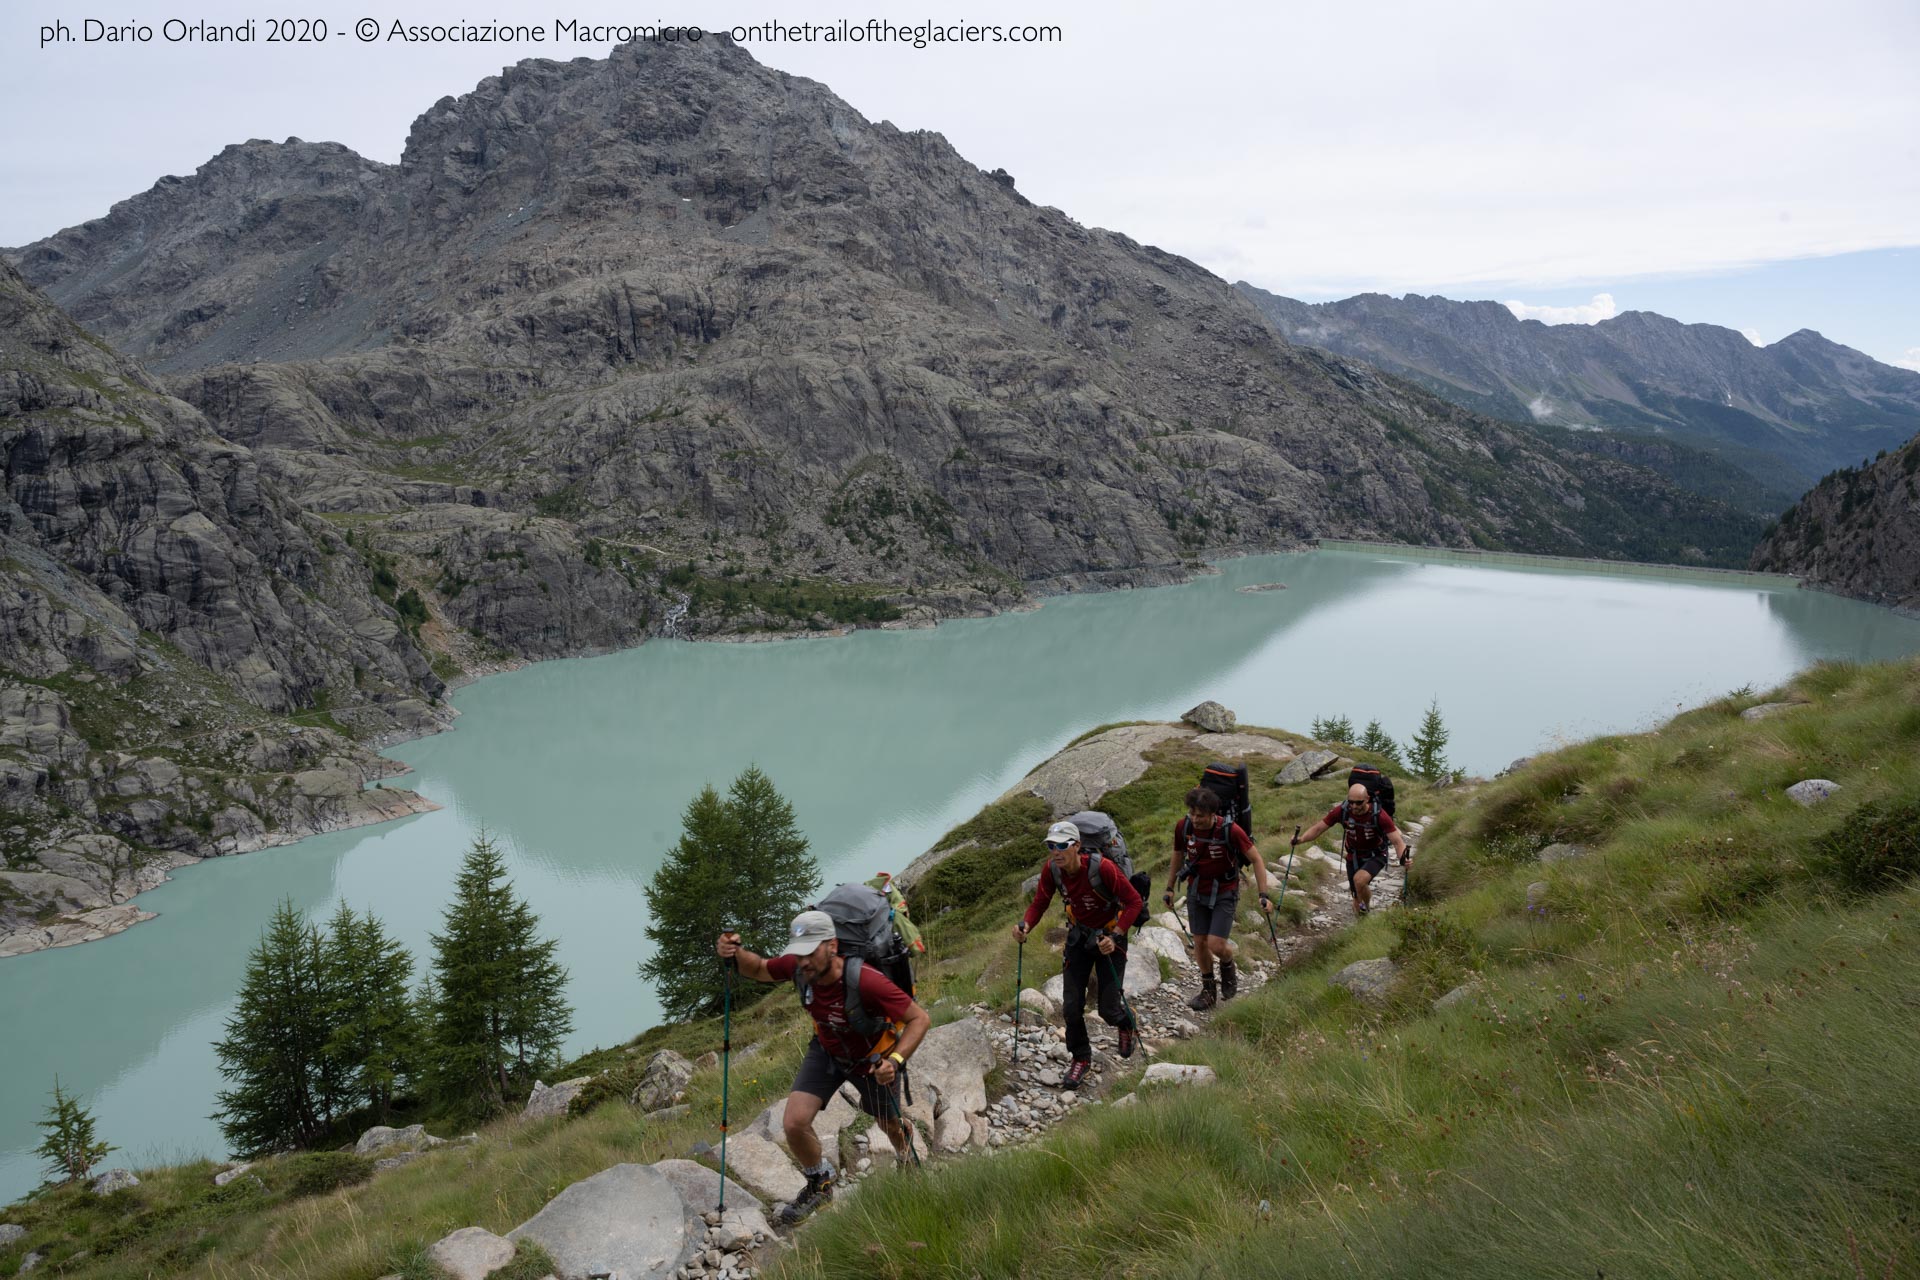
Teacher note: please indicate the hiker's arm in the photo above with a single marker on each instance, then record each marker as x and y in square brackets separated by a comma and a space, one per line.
[1399, 842]
[1128, 899]
[1173, 870]
[911, 1034]
[749, 964]
[1259, 870]
[1042, 896]
[1313, 832]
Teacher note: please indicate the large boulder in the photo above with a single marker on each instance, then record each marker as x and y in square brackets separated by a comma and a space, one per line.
[382, 1138]
[1210, 717]
[1039, 1004]
[763, 1167]
[955, 1059]
[11, 1233]
[471, 1253]
[1077, 777]
[1811, 791]
[841, 1110]
[1305, 767]
[628, 1221]
[1178, 1073]
[699, 1189]
[1369, 980]
[114, 1180]
[1154, 941]
[662, 1081]
[549, 1101]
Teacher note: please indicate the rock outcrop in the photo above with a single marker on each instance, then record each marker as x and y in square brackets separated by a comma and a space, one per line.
[167, 615]
[1857, 532]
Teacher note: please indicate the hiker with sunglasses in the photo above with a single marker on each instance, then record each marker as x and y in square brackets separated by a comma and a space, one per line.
[1368, 833]
[1101, 905]
[865, 1036]
[1210, 849]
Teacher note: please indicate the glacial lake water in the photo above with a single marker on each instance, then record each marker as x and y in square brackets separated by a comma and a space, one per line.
[882, 740]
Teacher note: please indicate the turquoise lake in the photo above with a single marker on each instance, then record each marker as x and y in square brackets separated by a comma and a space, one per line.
[882, 741]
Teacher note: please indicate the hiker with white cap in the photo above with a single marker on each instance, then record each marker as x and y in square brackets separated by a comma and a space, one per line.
[1102, 905]
[868, 1043]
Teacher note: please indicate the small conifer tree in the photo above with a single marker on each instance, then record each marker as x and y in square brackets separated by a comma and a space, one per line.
[741, 863]
[70, 1148]
[1427, 753]
[499, 1011]
[274, 1052]
[372, 1039]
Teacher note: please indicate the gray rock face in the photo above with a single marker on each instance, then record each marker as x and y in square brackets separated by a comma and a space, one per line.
[1856, 532]
[11, 1233]
[1305, 767]
[1767, 710]
[113, 1180]
[1210, 717]
[1369, 980]
[548, 1101]
[762, 1166]
[1562, 853]
[662, 1082]
[955, 1059]
[1811, 791]
[471, 1253]
[1076, 778]
[627, 1221]
[383, 1139]
[1458, 996]
[1178, 1073]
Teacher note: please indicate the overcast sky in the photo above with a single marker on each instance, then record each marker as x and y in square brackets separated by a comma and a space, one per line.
[1537, 152]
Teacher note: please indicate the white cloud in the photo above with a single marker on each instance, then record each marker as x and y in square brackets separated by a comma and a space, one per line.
[1601, 308]
[1753, 336]
[1909, 360]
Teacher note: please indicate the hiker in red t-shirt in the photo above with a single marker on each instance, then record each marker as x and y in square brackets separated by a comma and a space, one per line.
[1211, 850]
[1368, 832]
[1102, 905]
[839, 1051]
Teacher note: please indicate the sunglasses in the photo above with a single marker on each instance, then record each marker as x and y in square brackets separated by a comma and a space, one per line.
[1059, 844]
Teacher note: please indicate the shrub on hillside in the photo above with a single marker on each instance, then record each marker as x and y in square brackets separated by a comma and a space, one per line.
[315, 1173]
[1876, 847]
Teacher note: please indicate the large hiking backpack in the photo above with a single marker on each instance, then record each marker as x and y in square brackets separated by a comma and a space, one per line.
[1231, 784]
[1377, 783]
[863, 924]
[1100, 835]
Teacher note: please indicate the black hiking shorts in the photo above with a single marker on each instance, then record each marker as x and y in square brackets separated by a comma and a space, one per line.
[1372, 866]
[822, 1076]
[1214, 921]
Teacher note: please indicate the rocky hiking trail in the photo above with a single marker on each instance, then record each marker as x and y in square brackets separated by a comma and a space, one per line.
[664, 1220]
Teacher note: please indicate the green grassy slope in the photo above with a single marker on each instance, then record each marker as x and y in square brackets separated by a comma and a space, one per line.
[1700, 1058]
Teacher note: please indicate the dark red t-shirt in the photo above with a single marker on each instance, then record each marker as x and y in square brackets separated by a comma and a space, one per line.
[1209, 855]
[1365, 836]
[829, 1007]
[1119, 906]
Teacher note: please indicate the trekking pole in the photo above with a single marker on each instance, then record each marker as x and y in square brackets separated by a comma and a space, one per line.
[726, 1070]
[1286, 872]
[1019, 972]
[893, 1104]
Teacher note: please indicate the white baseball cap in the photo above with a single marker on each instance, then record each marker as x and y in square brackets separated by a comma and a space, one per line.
[810, 929]
[1063, 831]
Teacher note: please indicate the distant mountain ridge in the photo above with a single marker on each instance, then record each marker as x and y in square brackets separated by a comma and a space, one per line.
[1783, 415]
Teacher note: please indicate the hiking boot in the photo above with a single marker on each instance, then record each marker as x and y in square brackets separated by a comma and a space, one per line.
[1229, 980]
[1128, 1038]
[1206, 999]
[817, 1192]
[1076, 1072]
[1362, 908]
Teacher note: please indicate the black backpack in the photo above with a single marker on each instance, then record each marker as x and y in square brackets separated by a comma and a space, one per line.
[1230, 783]
[863, 926]
[1377, 783]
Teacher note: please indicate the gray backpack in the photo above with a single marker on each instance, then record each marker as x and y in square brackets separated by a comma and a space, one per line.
[1099, 834]
[863, 926]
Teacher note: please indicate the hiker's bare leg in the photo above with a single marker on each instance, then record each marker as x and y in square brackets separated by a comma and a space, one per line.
[1218, 949]
[801, 1109]
[1363, 888]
